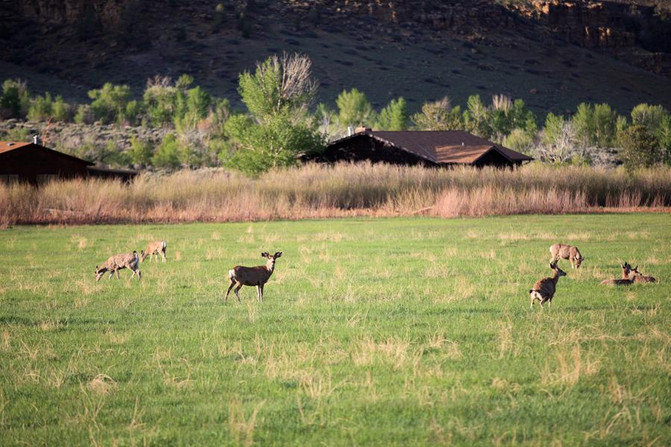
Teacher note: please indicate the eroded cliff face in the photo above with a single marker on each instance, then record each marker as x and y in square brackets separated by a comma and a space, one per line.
[105, 12]
[636, 31]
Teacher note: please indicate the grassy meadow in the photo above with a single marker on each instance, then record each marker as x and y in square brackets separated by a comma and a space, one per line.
[411, 331]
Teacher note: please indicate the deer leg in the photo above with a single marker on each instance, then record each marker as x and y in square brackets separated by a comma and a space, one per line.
[117, 273]
[111, 274]
[139, 274]
[163, 255]
[532, 301]
[229, 289]
[260, 293]
[236, 290]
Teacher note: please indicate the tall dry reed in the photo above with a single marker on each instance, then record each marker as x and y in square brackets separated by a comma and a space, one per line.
[314, 191]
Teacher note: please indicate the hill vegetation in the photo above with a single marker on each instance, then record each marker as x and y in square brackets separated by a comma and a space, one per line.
[281, 122]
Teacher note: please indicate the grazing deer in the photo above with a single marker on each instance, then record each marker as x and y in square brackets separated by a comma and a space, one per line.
[119, 262]
[544, 289]
[626, 279]
[252, 276]
[563, 251]
[639, 277]
[154, 248]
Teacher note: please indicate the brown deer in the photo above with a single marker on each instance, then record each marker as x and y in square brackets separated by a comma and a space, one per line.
[119, 262]
[626, 279]
[154, 248]
[639, 277]
[563, 251]
[544, 289]
[252, 276]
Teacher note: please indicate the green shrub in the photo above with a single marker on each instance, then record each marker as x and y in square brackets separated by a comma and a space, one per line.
[639, 148]
[15, 99]
[167, 154]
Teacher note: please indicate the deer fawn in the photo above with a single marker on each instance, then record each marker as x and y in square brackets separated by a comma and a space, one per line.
[154, 248]
[639, 277]
[563, 251]
[544, 289]
[252, 276]
[119, 262]
[624, 281]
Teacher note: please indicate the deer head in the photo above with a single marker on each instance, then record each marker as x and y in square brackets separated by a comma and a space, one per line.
[558, 272]
[271, 258]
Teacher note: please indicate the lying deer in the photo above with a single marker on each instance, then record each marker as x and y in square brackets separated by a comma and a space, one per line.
[154, 248]
[563, 251]
[119, 262]
[624, 281]
[639, 277]
[252, 276]
[544, 289]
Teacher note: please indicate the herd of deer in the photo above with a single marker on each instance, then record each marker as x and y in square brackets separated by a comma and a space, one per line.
[543, 290]
[238, 275]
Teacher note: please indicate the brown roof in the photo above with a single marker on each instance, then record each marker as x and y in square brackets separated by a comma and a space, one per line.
[461, 154]
[449, 146]
[8, 146]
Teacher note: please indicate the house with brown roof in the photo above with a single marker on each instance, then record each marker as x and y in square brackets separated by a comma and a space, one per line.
[427, 148]
[37, 164]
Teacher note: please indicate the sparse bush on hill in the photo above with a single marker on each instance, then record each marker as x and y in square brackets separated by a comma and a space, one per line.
[15, 99]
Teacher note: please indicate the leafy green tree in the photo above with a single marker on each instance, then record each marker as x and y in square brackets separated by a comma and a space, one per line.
[354, 108]
[278, 85]
[109, 102]
[605, 126]
[476, 119]
[519, 140]
[41, 108]
[438, 115]
[279, 129]
[275, 143]
[15, 99]
[160, 100]
[167, 154]
[639, 147]
[649, 116]
[552, 129]
[140, 152]
[583, 123]
[61, 110]
[394, 116]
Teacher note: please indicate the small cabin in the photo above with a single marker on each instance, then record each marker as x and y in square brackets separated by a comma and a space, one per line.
[37, 164]
[426, 148]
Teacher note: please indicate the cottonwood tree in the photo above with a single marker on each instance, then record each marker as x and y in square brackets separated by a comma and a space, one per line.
[278, 127]
[354, 109]
[438, 115]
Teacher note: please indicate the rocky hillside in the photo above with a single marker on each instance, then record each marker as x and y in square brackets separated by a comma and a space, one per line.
[552, 53]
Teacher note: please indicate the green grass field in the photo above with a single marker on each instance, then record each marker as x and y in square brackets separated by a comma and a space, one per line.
[372, 332]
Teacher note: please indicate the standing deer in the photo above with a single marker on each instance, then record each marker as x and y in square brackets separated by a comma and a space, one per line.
[154, 248]
[544, 289]
[624, 281]
[639, 277]
[118, 262]
[252, 276]
[563, 251]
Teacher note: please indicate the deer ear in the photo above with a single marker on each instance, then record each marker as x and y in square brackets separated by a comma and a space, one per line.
[278, 254]
[264, 254]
